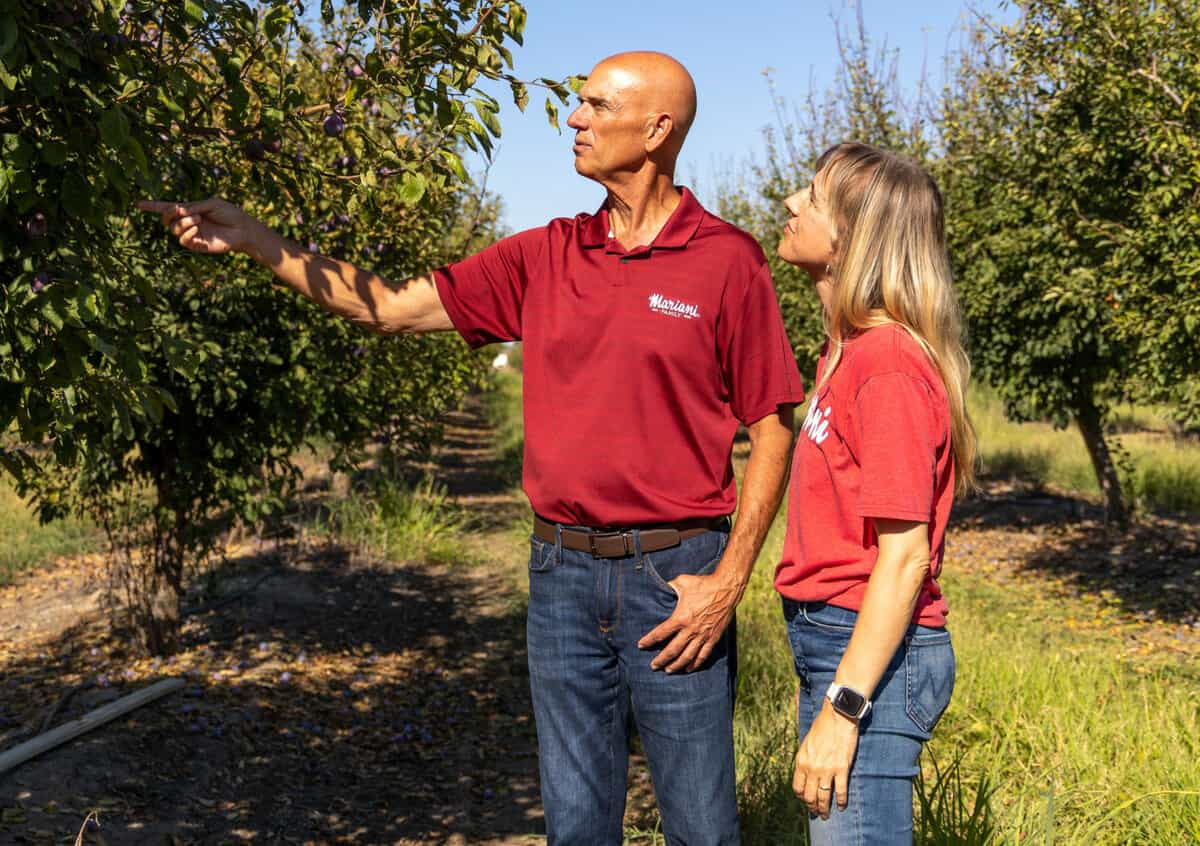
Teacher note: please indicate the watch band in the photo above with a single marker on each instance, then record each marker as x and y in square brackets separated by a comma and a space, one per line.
[848, 702]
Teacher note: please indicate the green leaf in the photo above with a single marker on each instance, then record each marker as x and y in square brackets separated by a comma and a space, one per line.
[520, 95]
[487, 117]
[454, 162]
[76, 195]
[516, 23]
[174, 108]
[552, 114]
[8, 35]
[114, 128]
[412, 189]
[54, 153]
[276, 21]
[194, 11]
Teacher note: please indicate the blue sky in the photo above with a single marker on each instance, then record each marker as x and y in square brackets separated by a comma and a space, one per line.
[726, 45]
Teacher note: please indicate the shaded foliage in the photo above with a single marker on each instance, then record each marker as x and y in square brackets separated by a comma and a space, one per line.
[1073, 175]
[170, 390]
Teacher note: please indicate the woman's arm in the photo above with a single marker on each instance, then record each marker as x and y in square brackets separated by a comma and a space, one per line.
[887, 610]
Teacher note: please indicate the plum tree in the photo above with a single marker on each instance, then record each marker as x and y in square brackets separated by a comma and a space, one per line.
[163, 392]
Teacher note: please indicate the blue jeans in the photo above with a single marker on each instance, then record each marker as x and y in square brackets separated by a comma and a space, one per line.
[590, 682]
[911, 696]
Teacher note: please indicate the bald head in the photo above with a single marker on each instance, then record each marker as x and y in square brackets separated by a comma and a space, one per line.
[656, 83]
[634, 111]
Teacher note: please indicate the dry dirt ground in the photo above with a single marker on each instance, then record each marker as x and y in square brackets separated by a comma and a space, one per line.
[343, 700]
[348, 700]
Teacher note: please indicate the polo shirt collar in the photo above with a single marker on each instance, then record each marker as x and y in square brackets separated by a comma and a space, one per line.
[675, 234]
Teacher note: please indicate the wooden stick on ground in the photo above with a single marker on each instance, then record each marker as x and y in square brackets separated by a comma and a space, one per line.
[69, 731]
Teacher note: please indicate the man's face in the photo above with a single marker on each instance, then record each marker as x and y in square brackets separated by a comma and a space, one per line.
[610, 123]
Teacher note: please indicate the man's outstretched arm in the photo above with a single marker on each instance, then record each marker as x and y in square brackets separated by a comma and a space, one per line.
[215, 226]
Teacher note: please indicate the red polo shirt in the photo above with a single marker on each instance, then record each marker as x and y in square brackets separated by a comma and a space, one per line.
[638, 364]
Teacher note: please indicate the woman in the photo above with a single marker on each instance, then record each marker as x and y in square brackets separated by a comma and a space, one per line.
[884, 447]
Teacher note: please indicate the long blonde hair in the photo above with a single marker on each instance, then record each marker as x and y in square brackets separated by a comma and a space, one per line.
[890, 265]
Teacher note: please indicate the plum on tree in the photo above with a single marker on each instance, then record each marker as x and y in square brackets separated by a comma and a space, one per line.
[36, 226]
[254, 150]
[334, 125]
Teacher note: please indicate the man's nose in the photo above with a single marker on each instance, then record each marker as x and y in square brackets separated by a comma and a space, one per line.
[575, 119]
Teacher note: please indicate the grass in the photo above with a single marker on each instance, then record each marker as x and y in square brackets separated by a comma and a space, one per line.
[505, 414]
[1052, 736]
[28, 543]
[392, 520]
[1159, 471]
[1050, 725]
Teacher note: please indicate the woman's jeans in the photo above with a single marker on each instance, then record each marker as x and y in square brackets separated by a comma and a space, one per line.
[590, 681]
[911, 696]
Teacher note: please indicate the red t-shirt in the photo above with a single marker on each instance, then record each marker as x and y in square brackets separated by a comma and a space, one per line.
[638, 364]
[875, 443]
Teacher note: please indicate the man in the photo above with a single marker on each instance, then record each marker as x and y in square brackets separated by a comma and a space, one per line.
[649, 330]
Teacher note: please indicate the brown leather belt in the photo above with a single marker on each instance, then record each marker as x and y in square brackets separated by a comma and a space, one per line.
[617, 543]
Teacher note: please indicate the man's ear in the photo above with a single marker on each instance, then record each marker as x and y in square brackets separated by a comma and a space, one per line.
[659, 129]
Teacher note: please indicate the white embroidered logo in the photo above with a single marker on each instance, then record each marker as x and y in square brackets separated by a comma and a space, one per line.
[816, 422]
[674, 308]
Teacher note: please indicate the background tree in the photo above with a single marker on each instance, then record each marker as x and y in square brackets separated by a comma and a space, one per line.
[865, 103]
[1066, 147]
[1072, 171]
[171, 389]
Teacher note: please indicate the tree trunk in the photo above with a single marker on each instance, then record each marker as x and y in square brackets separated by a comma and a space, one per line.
[1091, 426]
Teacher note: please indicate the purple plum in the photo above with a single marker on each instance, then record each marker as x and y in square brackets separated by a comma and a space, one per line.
[36, 226]
[334, 125]
[254, 150]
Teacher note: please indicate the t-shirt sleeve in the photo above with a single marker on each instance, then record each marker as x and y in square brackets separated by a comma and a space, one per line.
[756, 359]
[484, 294]
[898, 430]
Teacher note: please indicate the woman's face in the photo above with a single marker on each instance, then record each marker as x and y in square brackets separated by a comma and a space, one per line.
[809, 233]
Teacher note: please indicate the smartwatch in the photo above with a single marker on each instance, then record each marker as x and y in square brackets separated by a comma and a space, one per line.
[848, 702]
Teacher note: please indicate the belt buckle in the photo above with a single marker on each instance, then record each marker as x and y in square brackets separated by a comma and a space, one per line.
[623, 535]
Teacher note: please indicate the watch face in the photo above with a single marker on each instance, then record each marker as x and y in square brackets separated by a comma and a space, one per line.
[848, 701]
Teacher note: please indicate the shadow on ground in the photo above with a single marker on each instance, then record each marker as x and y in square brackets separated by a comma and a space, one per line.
[1152, 569]
[338, 702]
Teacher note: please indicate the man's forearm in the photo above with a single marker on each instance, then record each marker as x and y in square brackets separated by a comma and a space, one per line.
[339, 287]
[762, 491]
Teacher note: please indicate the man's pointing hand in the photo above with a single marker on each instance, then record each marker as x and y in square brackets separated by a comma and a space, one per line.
[210, 226]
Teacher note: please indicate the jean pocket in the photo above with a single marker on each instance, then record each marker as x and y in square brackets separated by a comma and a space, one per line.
[681, 560]
[831, 618]
[929, 670]
[542, 555]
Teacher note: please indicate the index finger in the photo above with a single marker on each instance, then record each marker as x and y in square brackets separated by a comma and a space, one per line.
[159, 206]
[660, 632]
